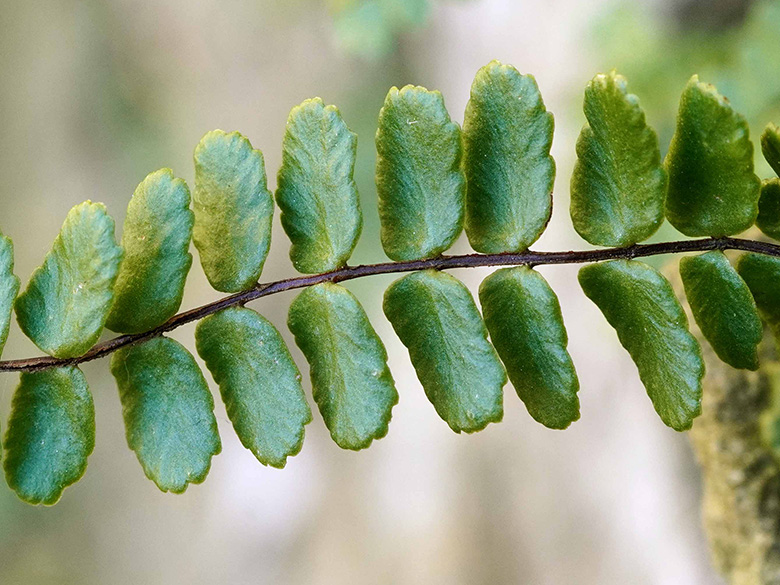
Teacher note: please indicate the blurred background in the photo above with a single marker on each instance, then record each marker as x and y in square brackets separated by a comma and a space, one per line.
[95, 94]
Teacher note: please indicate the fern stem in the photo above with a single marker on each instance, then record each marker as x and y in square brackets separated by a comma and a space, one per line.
[529, 258]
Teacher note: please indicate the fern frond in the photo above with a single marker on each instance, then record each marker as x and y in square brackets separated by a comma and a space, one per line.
[495, 178]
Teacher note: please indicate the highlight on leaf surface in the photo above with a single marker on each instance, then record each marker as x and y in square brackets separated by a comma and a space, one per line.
[259, 382]
[723, 308]
[317, 194]
[435, 317]
[770, 146]
[713, 190]
[351, 382]
[233, 210]
[66, 303]
[524, 319]
[51, 432]
[768, 220]
[762, 275]
[156, 241]
[9, 287]
[168, 412]
[419, 181]
[619, 185]
[507, 135]
[639, 303]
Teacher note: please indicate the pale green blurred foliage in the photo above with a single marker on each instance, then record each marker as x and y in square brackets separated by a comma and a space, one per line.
[369, 28]
[372, 29]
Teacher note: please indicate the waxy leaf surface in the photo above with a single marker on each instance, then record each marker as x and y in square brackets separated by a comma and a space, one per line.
[770, 146]
[259, 382]
[51, 432]
[619, 185]
[419, 182]
[351, 382]
[168, 412]
[723, 308]
[507, 135]
[762, 275]
[769, 209]
[640, 304]
[9, 287]
[233, 210]
[435, 317]
[66, 303]
[156, 240]
[317, 194]
[524, 319]
[713, 190]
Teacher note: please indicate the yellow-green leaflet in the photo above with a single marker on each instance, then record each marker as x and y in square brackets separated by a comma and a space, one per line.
[770, 146]
[258, 380]
[640, 304]
[768, 220]
[507, 135]
[420, 184]
[435, 317]
[233, 210]
[713, 190]
[66, 303]
[524, 319]
[317, 194]
[723, 308]
[51, 432]
[168, 412]
[351, 382]
[619, 185]
[9, 287]
[156, 240]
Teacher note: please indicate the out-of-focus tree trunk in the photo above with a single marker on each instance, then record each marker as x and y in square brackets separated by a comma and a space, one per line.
[741, 474]
[709, 14]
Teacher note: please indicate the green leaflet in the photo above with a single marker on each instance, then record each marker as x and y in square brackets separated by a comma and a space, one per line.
[317, 194]
[68, 298]
[712, 188]
[435, 317]
[258, 380]
[618, 185]
[9, 287]
[640, 304]
[762, 275]
[723, 308]
[507, 134]
[349, 376]
[168, 412]
[51, 432]
[768, 220]
[233, 210]
[770, 146]
[156, 240]
[419, 182]
[524, 319]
